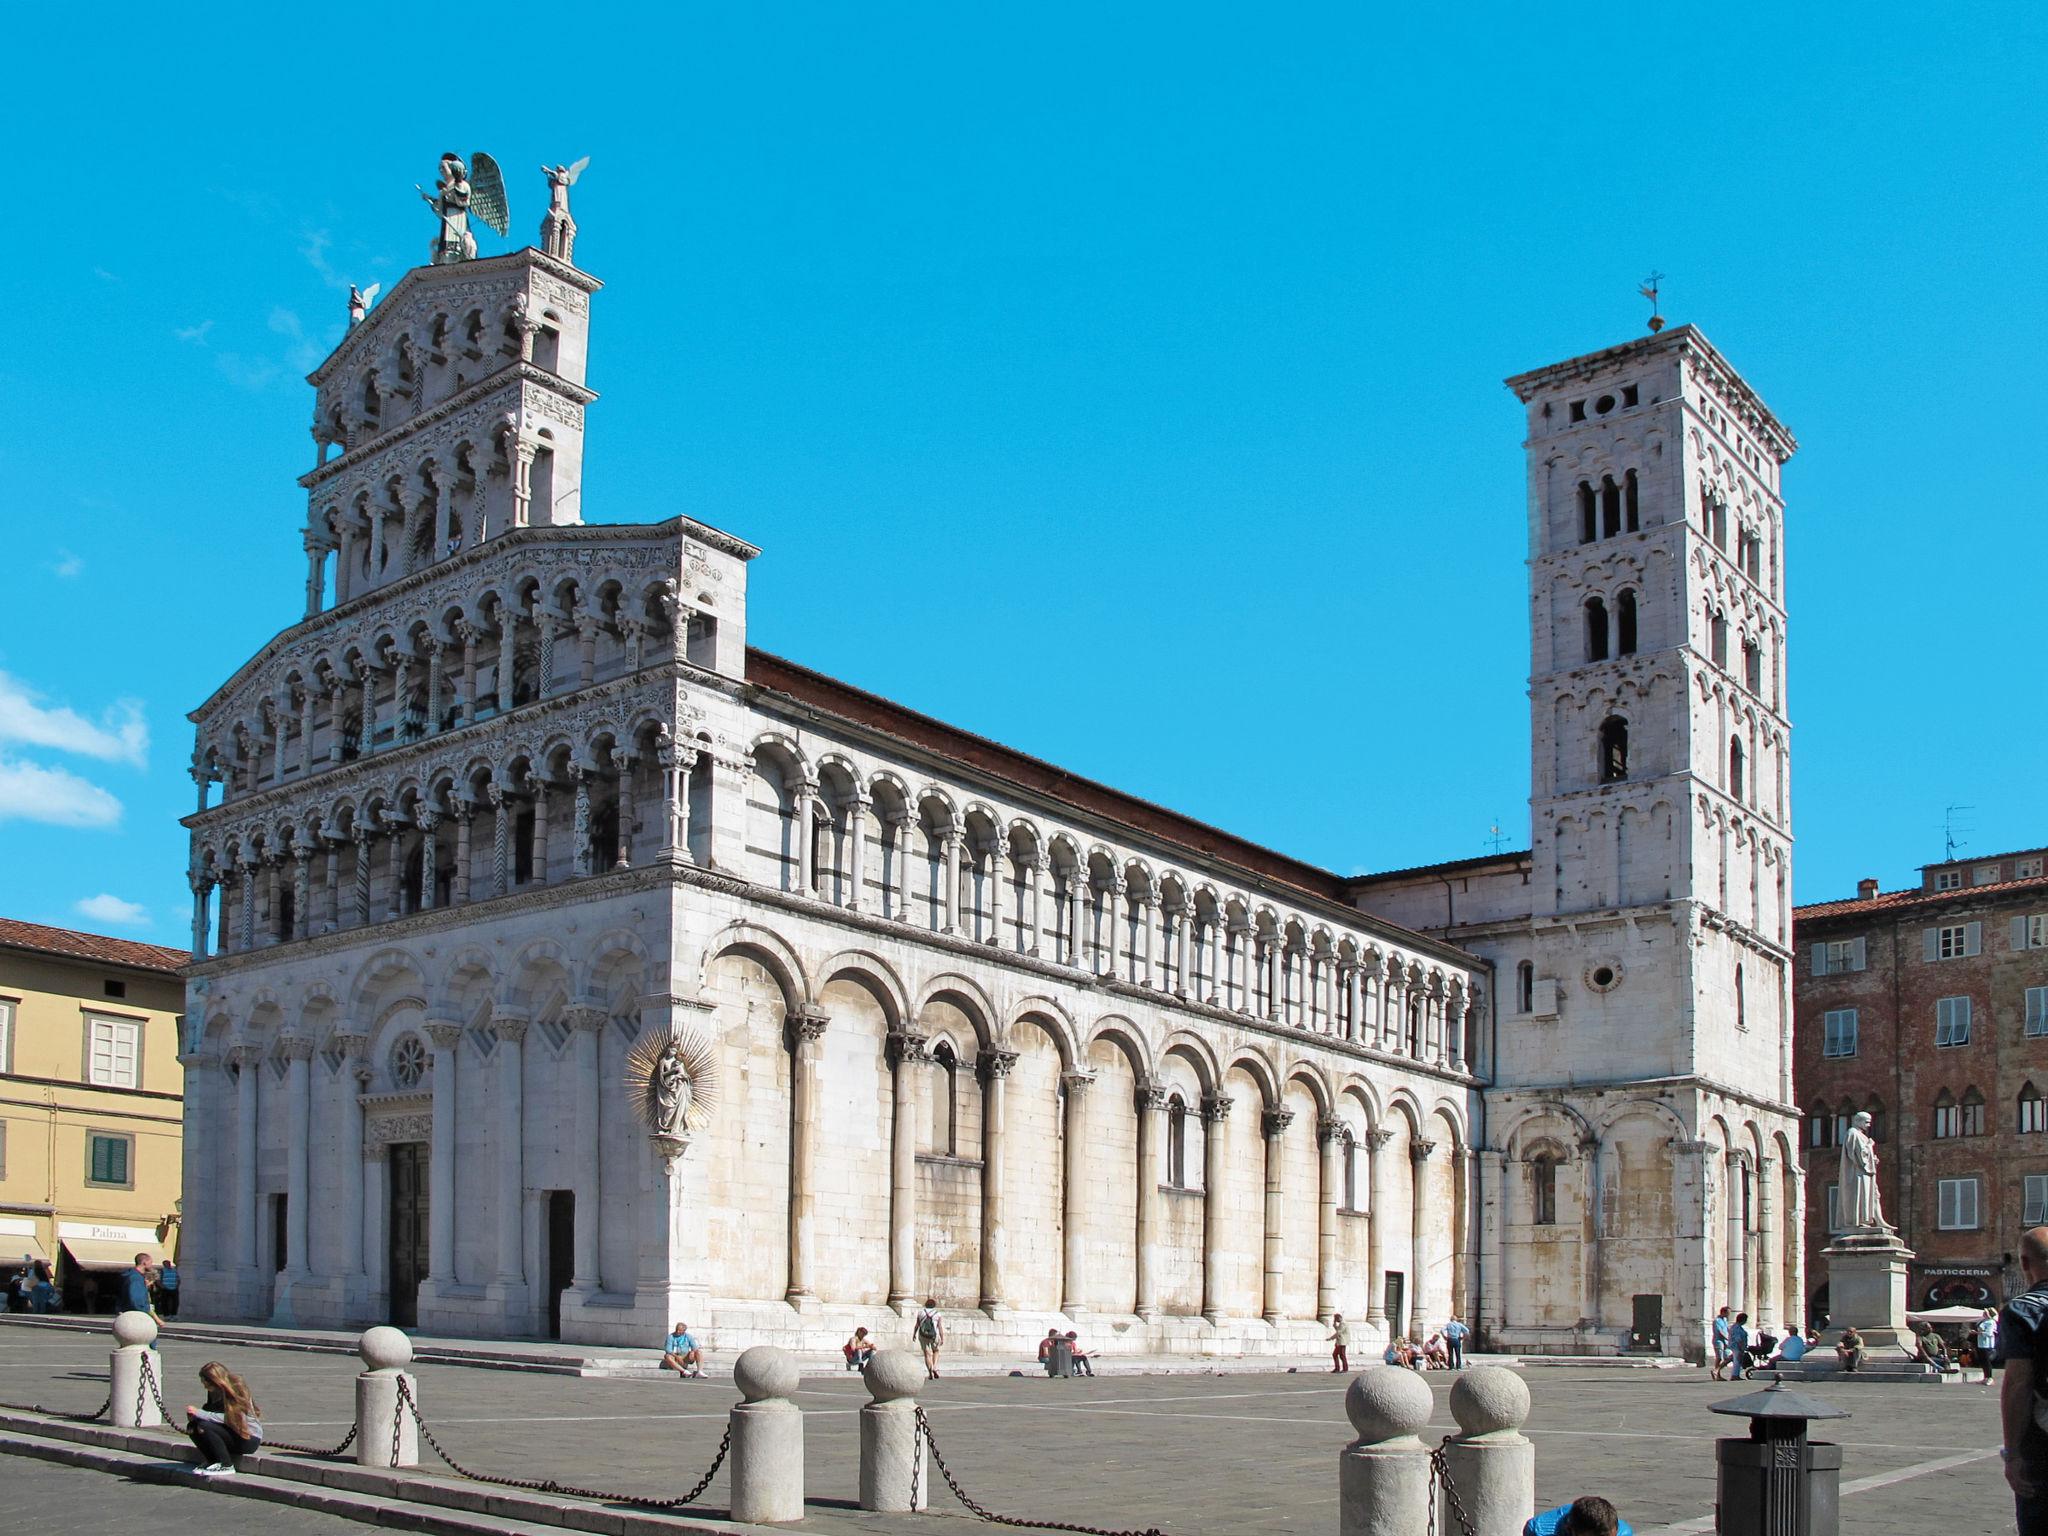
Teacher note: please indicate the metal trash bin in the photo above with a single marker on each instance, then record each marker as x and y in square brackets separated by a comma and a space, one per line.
[1059, 1360]
[1777, 1482]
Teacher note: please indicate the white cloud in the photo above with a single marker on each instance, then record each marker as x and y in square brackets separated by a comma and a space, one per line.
[67, 565]
[195, 334]
[121, 735]
[104, 275]
[31, 792]
[112, 909]
[245, 373]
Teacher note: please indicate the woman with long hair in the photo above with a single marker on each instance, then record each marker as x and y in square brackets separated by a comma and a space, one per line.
[227, 1426]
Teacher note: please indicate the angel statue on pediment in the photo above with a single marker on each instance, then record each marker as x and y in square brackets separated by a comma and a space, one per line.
[456, 196]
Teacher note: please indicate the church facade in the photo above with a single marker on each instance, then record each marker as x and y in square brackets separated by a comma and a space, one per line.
[514, 796]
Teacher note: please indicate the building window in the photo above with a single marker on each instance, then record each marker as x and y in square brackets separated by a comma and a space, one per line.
[116, 988]
[1350, 1170]
[1596, 629]
[1954, 941]
[1875, 1109]
[2026, 869]
[1543, 1190]
[107, 1160]
[1984, 874]
[1741, 999]
[1753, 667]
[1735, 768]
[1177, 1142]
[1525, 987]
[408, 1062]
[1957, 1204]
[2033, 1112]
[1717, 639]
[1838, 1032]
[944, 1099]
[2030, 932]
[2036, 1189]
[1613, 749]
[1948, 880]
[1948, 1117]
[1973, 1113]
[6, 1034]
[1588, 519]
[2037, 1010]
[113, 1053]
[1952, 1021]
[1838, 956]
[1820, 1127]
[1834, 1209]
[1625, 623]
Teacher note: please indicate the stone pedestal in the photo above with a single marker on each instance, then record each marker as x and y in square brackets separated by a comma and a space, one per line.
[1867, 1286]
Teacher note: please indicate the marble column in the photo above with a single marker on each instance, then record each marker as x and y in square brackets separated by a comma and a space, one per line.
[446, 1037]
[1766, 1306]
[298, 1087]
[337, 705]
[1074, 1195]
[467, 633]
[458, 891]
[508, 1130]
[350, 1083]
[587, 1024]
[1035, 937]
[1795, 1244]
[1738, 1269]
[949, 908]
[1151, 1100]
[1145, 914]
[1215, 1110]
[361, 839]
[1493, 1290]
[1077, 917]
[543, 791]
[803, 829]
[857, 811]
[331, 884]
[201, 887]
[373, 1191]
[994, 1067]
[248, 1063]
[430, 858]
[1420, 1256]
[1332, 1138]
[907, 1058]
[998, 856]
[579, 836]
[367, 742]
[1273, 1128]
[1376, 1226]
[1590, 1228]
[806, 1037]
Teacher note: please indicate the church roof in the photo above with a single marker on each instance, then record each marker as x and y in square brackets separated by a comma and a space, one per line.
[98, 948]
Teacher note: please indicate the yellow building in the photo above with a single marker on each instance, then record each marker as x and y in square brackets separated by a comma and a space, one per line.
[91, 1104]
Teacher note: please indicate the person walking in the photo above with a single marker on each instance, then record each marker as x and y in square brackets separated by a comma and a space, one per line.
[1987, 1343]
[227, 1426]
[134, 1287]
[1455, 1334]
[1722, 1326]
[167, 1289]
[2021, 1334]
[930, 1332]
[42, 1296]
[1340, 1341]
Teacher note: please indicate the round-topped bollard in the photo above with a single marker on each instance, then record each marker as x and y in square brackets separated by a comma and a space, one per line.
[767, 1456]
[130, 1402]
[891, 1449]
[1383, 1475]
[386, 1353]
[1490, 1461]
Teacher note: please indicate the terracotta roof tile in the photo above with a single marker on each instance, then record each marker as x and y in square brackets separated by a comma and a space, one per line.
[96, 947]
[1891, 901]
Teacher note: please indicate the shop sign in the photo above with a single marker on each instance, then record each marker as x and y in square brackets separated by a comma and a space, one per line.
[95, 1232]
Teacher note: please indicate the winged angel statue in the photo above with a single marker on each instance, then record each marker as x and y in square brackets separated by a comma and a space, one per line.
[456, 196]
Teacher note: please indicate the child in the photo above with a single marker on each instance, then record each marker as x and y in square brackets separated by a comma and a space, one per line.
[859, 1350]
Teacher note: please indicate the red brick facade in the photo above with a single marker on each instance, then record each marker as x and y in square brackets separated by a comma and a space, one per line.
[1893, 957]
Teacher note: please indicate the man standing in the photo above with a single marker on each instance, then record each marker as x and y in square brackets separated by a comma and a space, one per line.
[135, 1286]
[1455, 1334]
[1738, 1346]
[2021, 1333]
[1340, 1345]
[1721, 1327]
[1987, 1343]
[167, 1288]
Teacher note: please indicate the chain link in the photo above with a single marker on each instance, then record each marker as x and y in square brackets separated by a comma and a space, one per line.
[347, 1440]
[924, 1430]
[547, 1484]
[51, 1413]
[1440, 1474]
[149, 1379]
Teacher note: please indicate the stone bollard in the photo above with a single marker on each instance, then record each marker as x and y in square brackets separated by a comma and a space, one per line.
[1490, 1461]
[892, 1469]
[135, 1332]
[1383, 1475]
[767, 1438]
[386, 1352]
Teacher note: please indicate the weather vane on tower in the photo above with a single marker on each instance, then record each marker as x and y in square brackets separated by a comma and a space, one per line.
[1649, 291]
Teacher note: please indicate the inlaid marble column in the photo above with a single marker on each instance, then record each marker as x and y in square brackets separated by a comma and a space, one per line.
[857, 811]
[1333, 1139]
[543, 792]
[1765, 1306]
[305, 698]
[337, 709]
[993, 1067]
[446, 1036]
[587, 1166]
[458, 889]
[1418, 1233]
[1376, 1226]
[907, 1058]
[361, 839]
[586, 650]
[949, 908]
[1151, 1101]
[803, 829]
[468, 634]
[250, 872]
[394, 871]
[298, 1090]
[806, 1037]
[1215, 1110]
[1074, 1195]
[367, 742]
[430, 857]
[331, 884]
[1273, 1128]
[247, 1064]
[508, 1131]
[998, 856]
[906, 865]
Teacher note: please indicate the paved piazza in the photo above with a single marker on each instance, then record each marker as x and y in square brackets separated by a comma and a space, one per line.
[1122, 1451]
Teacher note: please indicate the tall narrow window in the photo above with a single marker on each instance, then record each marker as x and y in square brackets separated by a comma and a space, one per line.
[1610, 507]
[1717, 638]
[1588, 524]
[1596, 629]
[1525, 987]
[1741, 999]
[1625, 623]
[1753, 667]
[1973, 1113]
[1631, 511]
[1820, 1126]
[944, 1098]
[2033, 1112]
[1177, 1142]
[1613, 749]
[1735, 767]
[1543, 1190]
[1948, 1117]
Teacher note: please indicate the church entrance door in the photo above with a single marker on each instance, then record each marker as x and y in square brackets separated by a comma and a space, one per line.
[408, 1229]
[1646, 1330]
[1397, 1304]
[561, 1260]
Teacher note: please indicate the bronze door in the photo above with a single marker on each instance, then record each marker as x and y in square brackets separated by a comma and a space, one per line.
[408, 1229]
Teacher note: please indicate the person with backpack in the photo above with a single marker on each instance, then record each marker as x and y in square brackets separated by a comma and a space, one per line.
[930, 1332]
[2022, 1335]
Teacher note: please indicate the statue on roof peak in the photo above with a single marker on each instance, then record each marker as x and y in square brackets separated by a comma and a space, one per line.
[456, 196]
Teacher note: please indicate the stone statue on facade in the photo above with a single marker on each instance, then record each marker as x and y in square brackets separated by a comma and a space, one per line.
[1859, 1198]
[360, 300]
[672, 1083]
[558, 229]
[671, 1091]
[456, 196]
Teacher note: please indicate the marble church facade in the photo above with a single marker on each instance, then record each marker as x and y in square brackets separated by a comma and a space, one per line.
[514, 791]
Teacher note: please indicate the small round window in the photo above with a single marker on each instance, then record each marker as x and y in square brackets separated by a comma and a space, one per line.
[1603, 405]
[408, 1062]
[1603, 976]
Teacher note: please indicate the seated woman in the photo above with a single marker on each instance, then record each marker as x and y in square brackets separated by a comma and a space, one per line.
[1435, 1353]
[227, 1426]
[859, 1350]
[1084, 1365]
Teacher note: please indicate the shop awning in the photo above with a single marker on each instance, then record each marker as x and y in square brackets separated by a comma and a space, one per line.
[105, 1254]
[14, 1245]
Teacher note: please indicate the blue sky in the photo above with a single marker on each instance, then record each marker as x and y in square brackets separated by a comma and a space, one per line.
[1122, 382]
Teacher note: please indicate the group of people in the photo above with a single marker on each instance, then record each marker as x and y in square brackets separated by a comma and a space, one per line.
[1443, 1350]
[32, 1288]
[149, 1285]
[1737, 1348]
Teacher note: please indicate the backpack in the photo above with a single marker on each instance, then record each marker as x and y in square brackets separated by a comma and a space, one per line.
[927, 1327]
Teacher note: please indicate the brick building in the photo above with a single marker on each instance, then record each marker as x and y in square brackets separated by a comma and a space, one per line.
[1928, 1007]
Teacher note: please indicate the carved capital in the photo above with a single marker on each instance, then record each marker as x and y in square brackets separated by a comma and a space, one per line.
[1418, 1151]
[510, 1025]
[808, 1023]
[1216, 1108]
[994, 1065]
[445, 1033]
[1273, 1123]
[585, 1017]
[1329, 1128]
[348, 1042]
[1376, 1141]
[908, 1046]
[295, 1047]
[1076, 1082]
[1150, 1096]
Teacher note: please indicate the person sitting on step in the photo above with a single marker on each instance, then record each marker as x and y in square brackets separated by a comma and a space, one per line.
[679, 1353]
[859, 1350]
[1084, 1365]
[227, 1426]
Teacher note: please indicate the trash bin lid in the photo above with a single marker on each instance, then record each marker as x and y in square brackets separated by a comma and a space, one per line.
[1774, 1402]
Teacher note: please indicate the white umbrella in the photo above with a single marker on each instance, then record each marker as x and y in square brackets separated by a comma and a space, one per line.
[1948, 1315]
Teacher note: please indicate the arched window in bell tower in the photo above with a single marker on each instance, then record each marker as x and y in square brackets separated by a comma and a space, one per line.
[1588, 529]
[1717, 638]
[1625, 623]
[1613, 750]
[1735, 767]
[1596, 629]
[1631, 505]
[1610, 507]
[1525, 987]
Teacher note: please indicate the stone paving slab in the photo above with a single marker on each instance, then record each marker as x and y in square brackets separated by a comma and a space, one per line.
[1244, 1453]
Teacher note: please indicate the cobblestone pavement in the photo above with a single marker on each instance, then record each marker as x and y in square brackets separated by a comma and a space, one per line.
[1250, 1454]
[41, 1496]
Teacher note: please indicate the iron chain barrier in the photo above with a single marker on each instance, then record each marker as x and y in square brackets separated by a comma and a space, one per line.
[330, 1452]
[94, 1417]
[546, 1484]
[924, 1430]
[1440, 1477]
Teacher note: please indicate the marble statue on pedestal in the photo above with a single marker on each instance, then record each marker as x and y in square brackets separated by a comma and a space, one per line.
[1859, 1197]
